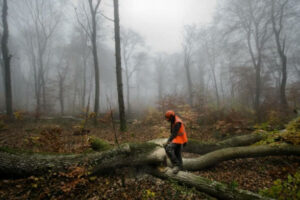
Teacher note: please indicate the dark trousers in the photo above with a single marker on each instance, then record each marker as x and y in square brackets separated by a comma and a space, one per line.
[174, 153]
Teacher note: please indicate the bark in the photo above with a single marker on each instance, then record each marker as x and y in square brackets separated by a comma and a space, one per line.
[128, 91]
[95, 54]
[119, 67]
[61, 97]
[196, 146]
[213, 188]
[14, 164]
[281, 50]
[199, 147]
[6, 59]
[188, 78]
[218, 156]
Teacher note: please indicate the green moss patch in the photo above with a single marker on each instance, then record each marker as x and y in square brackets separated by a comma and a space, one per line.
[99, 144]
[290, 135]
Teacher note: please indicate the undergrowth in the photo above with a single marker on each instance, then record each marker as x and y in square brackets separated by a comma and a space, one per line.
[284, 189]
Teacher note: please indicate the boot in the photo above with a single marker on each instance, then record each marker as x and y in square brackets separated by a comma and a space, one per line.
[176, 169]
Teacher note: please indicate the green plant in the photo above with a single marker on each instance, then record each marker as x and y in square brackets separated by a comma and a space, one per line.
[99, 145]
[234, 185]
[19, 115]
[294, 126]
[284, 189]
[148, 194]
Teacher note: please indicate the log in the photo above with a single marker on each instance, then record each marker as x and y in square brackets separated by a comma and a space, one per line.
[212, 188]
[218, 156]
[199, 147]
[15, 164]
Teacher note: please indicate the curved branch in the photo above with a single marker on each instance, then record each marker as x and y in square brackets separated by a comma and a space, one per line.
[24, 164]
[199, 147]
[218, 156]
[213, 188]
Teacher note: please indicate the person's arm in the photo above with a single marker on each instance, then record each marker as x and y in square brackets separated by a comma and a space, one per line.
[174, 131]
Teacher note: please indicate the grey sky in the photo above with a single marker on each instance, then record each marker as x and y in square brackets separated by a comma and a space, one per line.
[161, 22]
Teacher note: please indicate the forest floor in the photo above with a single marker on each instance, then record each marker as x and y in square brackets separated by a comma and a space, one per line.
[59, 136]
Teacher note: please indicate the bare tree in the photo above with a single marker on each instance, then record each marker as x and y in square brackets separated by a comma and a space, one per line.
[119, 67]
[160, 67]
[208, 40]
[130, 41]
[251, 17]
[278, 13]
[41, 19]
[94, 10]
[6, 60]
[190, 35]
[91, 30]
[62, 71]
[140, 59]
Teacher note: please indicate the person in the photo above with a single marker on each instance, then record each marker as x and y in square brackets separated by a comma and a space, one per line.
[176, 141]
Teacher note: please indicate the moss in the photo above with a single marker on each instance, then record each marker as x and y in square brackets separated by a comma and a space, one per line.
[15, 150]
[99, 145]
[138, 148]
[294, 126]
[290, 135]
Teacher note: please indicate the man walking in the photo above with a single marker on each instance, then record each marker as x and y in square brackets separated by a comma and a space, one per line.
[177, 139]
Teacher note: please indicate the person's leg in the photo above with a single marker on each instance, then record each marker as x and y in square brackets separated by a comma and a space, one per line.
[170, 150]
[178, 150]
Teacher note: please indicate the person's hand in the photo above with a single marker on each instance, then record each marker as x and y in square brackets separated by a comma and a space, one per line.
[165, 144]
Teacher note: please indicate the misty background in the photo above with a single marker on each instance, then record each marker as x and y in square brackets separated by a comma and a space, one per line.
[222, 54]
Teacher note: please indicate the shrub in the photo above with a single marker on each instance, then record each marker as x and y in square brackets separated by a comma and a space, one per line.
[290, 135]
[284, 189]
[99, 145]
[19, 115]
[153, 116]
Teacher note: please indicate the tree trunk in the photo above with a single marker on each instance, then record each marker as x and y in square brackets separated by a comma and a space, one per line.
[281, 52]
[216, 86]
[17, 164]
[218, 156]
[283, 100]
[119, 67]
[6, 59]
[213, 188]
[198, 147]
[84, 83]
[14, 164]
[128, 92]
[24, 164]
[189, 80]
[95, 56]
[61, 95]
[257, 92]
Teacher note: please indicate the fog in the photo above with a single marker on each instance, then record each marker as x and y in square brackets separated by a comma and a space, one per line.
[223, 54]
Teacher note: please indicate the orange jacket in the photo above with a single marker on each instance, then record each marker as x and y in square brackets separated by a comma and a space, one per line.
[181, 137]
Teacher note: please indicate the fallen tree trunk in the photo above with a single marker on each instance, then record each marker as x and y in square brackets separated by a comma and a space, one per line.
[213, 188]
[16, 164]
[145, 154]
[24, 164]
[218, 156]
[196, 146]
